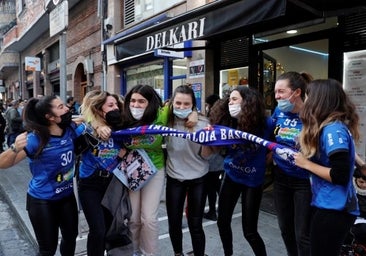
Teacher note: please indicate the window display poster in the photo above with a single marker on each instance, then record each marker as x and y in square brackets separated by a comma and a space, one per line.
[197, 68]
[197, 89]
[354, 84]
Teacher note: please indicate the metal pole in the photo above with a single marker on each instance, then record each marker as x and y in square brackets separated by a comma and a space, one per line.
[102, 47]
[63, 85]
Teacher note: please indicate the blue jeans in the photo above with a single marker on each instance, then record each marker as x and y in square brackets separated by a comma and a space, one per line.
[292, 198]
[91, 193]
[251, 200]
[50, 216]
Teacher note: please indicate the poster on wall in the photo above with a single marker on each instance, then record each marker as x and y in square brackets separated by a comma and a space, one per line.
[354, 84]
[197, 89]
[197, 69]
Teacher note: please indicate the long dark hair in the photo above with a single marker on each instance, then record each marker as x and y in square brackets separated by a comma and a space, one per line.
[34, 116]
[151, 111]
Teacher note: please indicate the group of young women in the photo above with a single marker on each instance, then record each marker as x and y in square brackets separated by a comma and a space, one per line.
[313, 117]
[314, 197]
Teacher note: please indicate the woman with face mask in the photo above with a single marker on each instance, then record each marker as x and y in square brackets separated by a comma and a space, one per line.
[49, 147]
[244, 165]
[143, 106]
[186, 174]
[292, 194]
[96, 167]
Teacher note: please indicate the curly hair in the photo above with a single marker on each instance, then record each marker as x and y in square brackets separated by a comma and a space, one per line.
[252, 116]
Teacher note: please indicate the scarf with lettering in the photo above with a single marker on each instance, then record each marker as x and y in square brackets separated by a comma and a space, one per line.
[217, 135]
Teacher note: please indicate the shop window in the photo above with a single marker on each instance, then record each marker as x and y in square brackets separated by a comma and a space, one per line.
[148, 74]
[135, 11]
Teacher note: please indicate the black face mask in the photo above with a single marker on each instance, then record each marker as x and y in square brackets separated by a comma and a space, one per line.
[114, 119]
[66, 120]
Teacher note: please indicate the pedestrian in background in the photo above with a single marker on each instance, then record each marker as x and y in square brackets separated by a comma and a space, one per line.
[14, 122]
[49, 147]
[96, 167]
[2, 131]
[216, 167]
[330, 127]
[244, 165]
[186, 174]
[291, 187]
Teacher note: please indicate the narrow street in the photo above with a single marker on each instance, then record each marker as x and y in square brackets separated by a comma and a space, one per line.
[12, 238]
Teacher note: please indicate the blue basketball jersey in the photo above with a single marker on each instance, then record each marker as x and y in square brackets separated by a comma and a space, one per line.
[335, 137]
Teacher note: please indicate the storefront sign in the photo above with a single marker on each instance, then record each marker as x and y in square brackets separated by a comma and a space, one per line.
[32, 64]
[199, 24]
[186, 31]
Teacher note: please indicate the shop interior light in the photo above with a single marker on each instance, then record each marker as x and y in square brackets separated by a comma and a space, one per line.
[180, 67]
[292, 31]
[309, 51]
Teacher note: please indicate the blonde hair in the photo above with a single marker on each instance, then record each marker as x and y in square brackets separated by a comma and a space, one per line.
[91, 108]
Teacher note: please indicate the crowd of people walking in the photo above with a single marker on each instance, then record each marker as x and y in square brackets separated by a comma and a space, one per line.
[315, 188]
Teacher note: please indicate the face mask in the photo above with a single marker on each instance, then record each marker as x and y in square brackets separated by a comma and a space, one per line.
[66, 120]
[285, 105]
[182, 113]
[234, 110]
[113, 118]
[137, 113]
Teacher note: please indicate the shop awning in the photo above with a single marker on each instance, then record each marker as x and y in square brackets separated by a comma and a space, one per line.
[201, 23]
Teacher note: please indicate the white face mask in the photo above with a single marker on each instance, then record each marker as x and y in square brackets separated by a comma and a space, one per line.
[182, 113]
[234, 110]
[137, 113]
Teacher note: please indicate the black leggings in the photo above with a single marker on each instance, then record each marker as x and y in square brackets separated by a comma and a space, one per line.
[328, 231]
[176, 192]
[91, 193]
[213, 188]
[47, 217]
[251, 199]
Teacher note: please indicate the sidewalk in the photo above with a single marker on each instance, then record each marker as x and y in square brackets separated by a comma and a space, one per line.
[14, 182]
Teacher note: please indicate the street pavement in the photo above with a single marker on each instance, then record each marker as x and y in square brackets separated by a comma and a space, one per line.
[13, 186]
[12, 239]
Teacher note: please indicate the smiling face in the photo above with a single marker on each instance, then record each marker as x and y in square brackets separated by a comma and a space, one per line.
[58, 109]
[282, 90]
[182, 101]
[138, 101]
